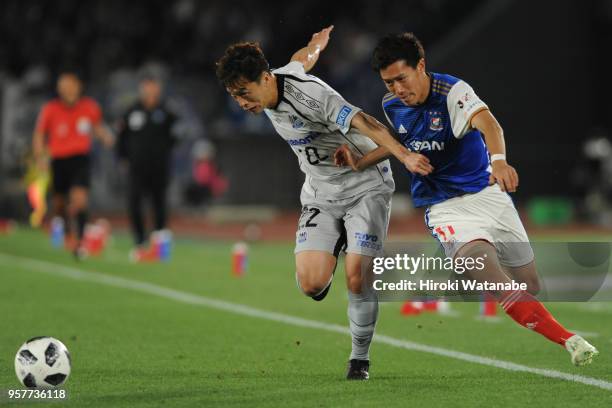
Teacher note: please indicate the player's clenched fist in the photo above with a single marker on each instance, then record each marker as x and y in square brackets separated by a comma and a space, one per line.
[344, 156]
[504, 175]
[417, 163]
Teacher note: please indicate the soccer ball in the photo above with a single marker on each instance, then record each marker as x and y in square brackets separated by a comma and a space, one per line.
[42, 362]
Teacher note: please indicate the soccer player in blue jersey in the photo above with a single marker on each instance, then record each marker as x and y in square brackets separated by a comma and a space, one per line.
[465, 192]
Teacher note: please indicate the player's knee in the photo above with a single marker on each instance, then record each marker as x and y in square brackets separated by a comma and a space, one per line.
[78, 198]
[316, 292]
[527, 274]
[312, 285]
[533, 285]
[354, 283]
[358, 273]
[534, 288]
[314, 272]
[311, 289]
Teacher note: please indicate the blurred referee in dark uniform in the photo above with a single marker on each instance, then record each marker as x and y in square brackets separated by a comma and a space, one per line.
[145, 140]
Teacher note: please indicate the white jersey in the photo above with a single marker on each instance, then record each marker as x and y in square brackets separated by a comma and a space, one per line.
[315, 120]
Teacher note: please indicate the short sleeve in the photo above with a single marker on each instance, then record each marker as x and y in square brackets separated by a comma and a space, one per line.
[294, 67]
[42, 122]
[338, 112]
[463, 103]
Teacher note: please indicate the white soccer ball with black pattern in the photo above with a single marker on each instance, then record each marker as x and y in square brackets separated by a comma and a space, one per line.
[42, 362]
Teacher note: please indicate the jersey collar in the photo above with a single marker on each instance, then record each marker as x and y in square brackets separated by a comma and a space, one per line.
[431, 79]
[280, 87]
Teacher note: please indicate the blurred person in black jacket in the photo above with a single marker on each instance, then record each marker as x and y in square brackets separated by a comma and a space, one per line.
[145, 142]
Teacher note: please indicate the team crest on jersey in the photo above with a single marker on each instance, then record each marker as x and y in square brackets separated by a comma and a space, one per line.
[435, 121]
[137, 120]
[296, 122]
[302, 237]
[83, 125]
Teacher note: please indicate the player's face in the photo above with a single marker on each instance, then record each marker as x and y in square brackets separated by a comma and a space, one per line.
[150, 92]
[251, 96]
[69, 88]
[406, 82]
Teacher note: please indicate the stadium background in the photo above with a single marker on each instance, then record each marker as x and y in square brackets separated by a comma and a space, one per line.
[541, 69]
[540, 66]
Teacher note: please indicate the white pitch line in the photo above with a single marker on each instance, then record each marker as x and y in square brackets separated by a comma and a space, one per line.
[184, 297]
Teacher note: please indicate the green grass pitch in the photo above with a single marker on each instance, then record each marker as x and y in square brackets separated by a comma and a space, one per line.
[132, 348]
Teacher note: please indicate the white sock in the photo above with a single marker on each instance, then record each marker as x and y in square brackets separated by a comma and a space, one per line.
[362, 314]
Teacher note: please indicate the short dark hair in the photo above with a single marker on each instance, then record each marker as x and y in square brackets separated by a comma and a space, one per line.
[149, 77]
[241, 61]
[73, 72]
[397, 47]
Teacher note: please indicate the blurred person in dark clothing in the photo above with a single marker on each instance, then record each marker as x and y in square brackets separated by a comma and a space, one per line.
[145, 142]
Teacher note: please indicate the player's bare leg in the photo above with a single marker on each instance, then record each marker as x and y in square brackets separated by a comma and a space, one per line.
[314, 272]
[522, 307]
[525, 274]
[77, 209]
[58, 204]
[362, 313]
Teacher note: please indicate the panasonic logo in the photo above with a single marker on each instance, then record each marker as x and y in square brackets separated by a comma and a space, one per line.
[305, 140]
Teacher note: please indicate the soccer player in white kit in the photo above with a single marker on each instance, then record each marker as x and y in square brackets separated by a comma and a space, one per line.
[465, 195]
[341, 209]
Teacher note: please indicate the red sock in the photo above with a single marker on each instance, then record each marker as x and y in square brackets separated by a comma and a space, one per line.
[527, 311]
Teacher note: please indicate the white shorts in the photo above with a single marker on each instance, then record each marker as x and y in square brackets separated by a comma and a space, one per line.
[356, 225]
[488, 215]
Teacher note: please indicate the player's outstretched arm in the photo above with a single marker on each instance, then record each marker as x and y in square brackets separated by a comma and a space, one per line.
[501, 173]
[39, 151]
[309, 55]
[372, 128]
